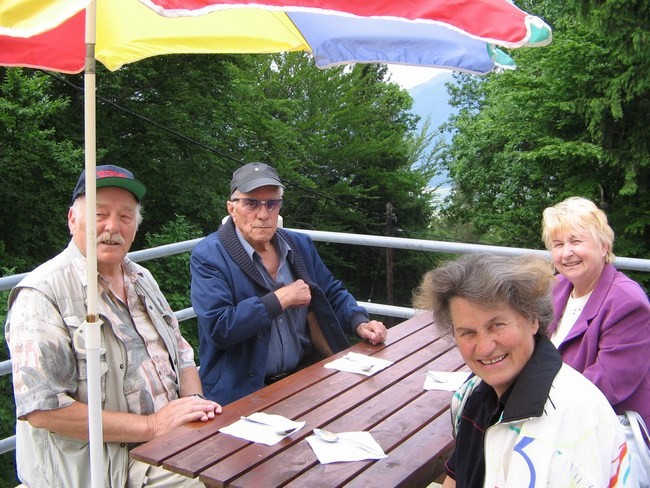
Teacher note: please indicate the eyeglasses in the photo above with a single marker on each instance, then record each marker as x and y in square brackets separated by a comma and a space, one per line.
[253, 204]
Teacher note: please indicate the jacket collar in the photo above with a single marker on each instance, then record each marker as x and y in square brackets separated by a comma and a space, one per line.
[563, 290]
[532, 388]
[228, 237]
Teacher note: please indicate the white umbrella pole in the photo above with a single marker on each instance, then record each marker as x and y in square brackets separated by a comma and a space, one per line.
[92, 325]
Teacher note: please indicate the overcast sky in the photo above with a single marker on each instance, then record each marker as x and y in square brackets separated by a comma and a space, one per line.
[409, 76]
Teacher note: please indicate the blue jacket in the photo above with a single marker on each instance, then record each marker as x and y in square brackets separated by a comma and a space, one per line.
[235, 310]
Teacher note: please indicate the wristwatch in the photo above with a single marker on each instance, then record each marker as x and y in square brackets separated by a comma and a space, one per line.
[198, 395]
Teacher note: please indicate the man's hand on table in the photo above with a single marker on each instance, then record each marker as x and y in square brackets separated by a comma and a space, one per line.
[180, 412]
[374, 332]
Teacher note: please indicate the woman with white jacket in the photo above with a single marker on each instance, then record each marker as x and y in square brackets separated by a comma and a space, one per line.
[524, 419]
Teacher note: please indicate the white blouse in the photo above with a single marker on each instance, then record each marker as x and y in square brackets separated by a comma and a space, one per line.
[571, 313]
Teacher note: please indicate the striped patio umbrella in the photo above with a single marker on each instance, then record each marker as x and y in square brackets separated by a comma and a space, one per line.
[452, 34]
[69, 35]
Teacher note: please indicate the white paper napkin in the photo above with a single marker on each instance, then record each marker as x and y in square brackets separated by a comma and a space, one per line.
[345, 449]
[263, 434]
[353, 362]
[444, 380]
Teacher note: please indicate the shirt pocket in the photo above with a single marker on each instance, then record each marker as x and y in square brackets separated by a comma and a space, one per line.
[73, 323]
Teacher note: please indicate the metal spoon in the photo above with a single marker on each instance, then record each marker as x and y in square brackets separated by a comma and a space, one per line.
[363, 364]
[277, 431]
[328, 436]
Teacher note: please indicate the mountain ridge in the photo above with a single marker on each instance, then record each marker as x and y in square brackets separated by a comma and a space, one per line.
[431, 100]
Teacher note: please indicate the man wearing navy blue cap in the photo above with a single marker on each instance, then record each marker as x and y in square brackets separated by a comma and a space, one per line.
[111, 175]
[266, 303]
[149, 380]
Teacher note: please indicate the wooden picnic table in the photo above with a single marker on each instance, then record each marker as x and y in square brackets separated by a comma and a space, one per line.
[411, 424]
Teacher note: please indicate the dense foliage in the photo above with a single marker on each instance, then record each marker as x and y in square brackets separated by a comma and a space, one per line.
[343, 141]
[573, 120]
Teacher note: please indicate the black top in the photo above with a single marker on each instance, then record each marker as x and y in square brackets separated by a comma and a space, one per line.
[467, 465]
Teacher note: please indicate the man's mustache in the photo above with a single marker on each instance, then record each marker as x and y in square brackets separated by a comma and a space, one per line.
[107, 237]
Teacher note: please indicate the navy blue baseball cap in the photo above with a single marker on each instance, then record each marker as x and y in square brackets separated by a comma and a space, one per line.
[111, 175]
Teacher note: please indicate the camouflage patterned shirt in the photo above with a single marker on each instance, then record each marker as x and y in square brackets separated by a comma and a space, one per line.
[45, 366]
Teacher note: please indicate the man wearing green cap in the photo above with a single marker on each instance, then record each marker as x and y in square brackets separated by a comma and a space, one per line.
[149, 380]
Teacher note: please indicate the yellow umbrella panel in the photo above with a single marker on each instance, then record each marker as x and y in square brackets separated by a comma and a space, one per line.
[128, 31]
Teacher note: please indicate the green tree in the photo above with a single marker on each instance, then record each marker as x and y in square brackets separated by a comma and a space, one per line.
[529, 138]
[173, 121]
[36, 165]
[621, 116]
[359, 152]
[341, 139]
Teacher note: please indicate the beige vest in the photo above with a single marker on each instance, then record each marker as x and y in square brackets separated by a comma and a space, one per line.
[46, 459]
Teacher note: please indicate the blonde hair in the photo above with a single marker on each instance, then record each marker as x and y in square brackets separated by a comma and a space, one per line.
[577, 214]
[523, 283]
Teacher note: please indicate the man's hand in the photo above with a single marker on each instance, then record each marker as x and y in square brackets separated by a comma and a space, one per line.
[180, 412]
[297, 294]
[374, 331]
[72, 420]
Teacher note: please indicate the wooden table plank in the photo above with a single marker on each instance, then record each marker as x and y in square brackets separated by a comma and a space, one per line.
[353, 406]
[300, 465]
[391, 404]
[407, 422]
[415, 463]
[157, 450]
[320, 406]
[194, 459]
[391, 433]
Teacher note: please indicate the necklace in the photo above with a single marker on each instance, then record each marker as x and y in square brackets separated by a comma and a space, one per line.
[575, 305]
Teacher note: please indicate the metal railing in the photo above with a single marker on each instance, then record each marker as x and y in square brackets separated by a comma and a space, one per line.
[633, 264]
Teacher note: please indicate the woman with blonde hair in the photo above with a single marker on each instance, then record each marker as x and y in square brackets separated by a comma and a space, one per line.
[602, 324]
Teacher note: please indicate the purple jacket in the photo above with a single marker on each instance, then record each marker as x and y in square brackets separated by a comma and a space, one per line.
[610, 341]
